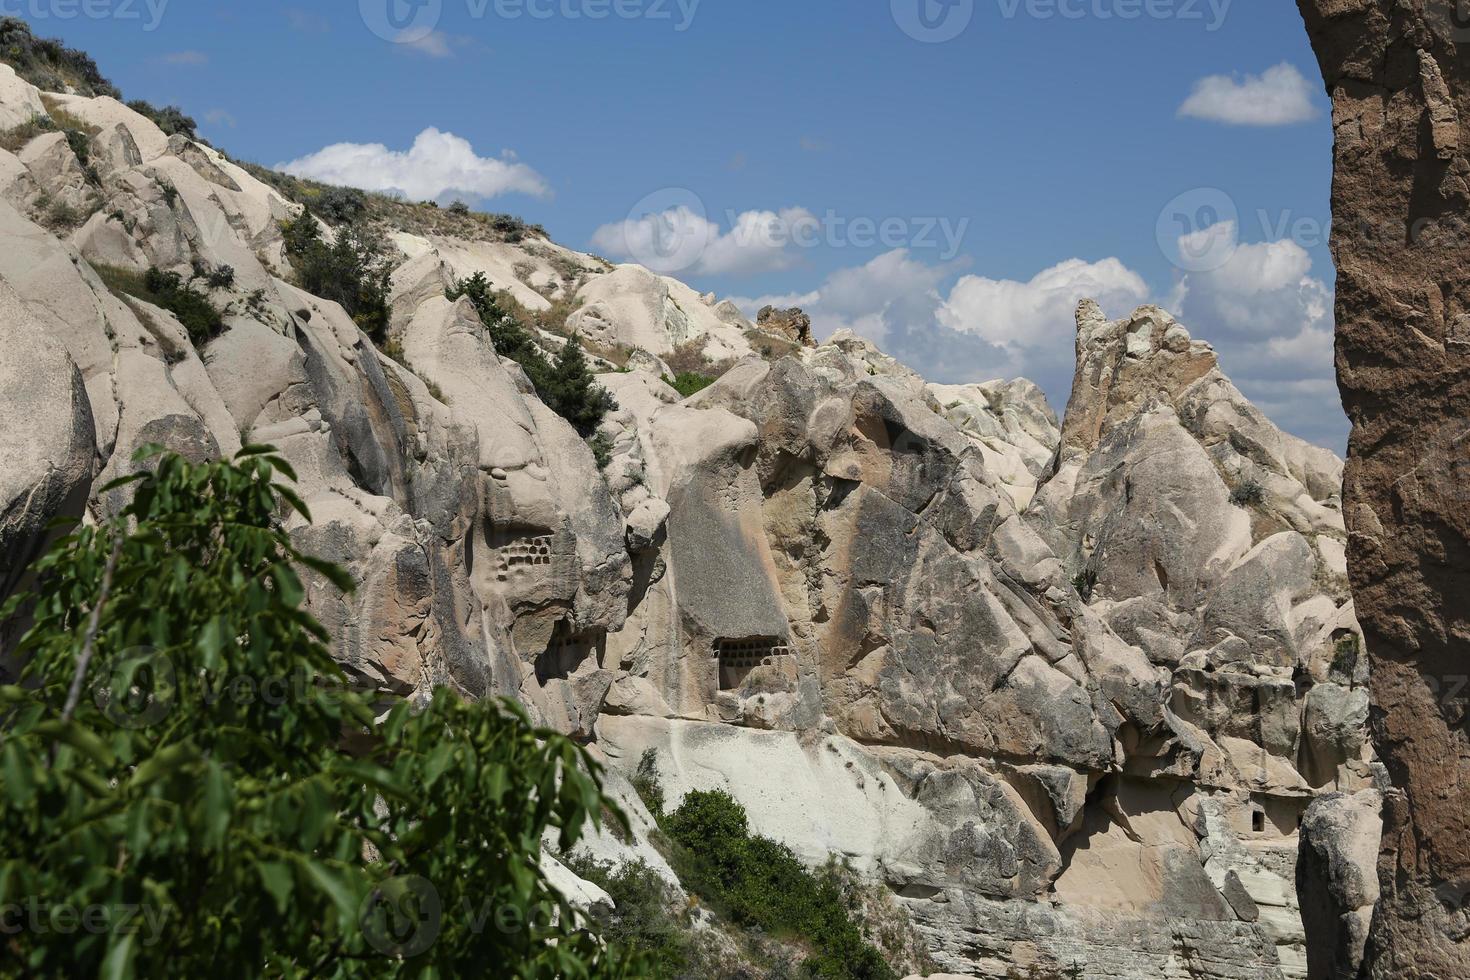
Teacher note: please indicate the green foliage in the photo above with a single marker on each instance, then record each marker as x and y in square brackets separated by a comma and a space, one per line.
[573, 393]
[689, 383]
[170, 119]
[48, 64]
[341, 205]
[510, 338]
[353, 271]
[758, 882]
[174, 772]
[192, 308]
[418, 217]
[566, 385]
[648, 917]
[1248, 493]
[647, 785]
[169, 291]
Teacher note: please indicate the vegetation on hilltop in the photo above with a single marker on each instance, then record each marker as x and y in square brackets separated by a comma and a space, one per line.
[48, 64]
[419, 218]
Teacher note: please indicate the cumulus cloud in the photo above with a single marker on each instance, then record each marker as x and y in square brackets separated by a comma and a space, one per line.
[1267, 315]
[1037, 316]
[438, 164]
[1279, 96]
[1271, 320]
[682, 240]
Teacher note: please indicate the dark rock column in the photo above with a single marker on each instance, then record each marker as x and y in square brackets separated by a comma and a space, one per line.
[1398, 72]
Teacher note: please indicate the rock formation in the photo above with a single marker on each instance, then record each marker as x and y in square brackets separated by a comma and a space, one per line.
[792, 324]
[1066, 687]
[1398, 72]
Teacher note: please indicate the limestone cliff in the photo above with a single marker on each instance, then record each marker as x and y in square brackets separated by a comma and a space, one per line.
[1068, 688]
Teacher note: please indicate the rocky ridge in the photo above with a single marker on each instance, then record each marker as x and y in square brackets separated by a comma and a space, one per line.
[1068, 688]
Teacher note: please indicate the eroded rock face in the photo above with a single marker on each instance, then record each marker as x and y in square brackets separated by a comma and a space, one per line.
[1397, 72]
[1065, 686]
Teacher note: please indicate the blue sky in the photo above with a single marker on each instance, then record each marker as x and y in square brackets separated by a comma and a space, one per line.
[1049, 132]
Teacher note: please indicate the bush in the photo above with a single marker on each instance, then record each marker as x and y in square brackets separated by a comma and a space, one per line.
[192, 307]
[647, 785]
[168, 290]
[760, 883]
[1248, 493]
[130, 779]
[689, 383]
[48, 64]
[647, 917]
[170, 119]
[353, 271]
[341, 205]
[565, 385]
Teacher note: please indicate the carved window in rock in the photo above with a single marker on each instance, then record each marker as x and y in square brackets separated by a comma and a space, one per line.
[737, 658]
[519, 553]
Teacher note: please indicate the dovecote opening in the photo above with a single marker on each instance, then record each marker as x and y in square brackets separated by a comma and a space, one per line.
[518, 553]
[738, 657]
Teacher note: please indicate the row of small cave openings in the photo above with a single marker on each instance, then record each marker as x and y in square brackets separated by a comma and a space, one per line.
[738, 657]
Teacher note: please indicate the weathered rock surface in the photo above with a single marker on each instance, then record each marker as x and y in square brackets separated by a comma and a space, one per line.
[1398, 73]
[1066, 687]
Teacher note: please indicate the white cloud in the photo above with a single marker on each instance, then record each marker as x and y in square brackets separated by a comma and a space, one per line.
[437, 44]
[683, 241]
[219, 117]
[1279, 96]
[1036, 317]
[438, 164]
[889, 293]
[1271, 321]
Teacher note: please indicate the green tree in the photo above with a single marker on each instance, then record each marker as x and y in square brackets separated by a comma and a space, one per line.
[352, 271]
[187, 774]
[758, 882]
[565, 385]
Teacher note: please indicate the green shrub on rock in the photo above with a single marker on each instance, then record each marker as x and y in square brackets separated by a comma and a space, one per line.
[760, 883]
